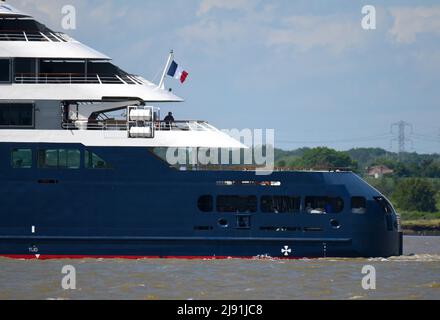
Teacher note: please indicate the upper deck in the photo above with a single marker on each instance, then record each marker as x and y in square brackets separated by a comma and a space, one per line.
[21, 36]
[37, 63]
[54, 89]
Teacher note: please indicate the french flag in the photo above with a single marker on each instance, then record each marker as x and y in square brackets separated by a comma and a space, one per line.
[177, 72]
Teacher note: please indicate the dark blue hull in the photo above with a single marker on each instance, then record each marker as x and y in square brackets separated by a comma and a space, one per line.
[120, 247]
[140, 207]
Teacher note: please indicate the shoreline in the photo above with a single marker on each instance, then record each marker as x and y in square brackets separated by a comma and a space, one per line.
[421, 227]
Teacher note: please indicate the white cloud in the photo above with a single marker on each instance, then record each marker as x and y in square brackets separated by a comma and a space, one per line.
[335, 33]
[208, 5]
[412, 21]
[108, 13]
[257, 23]
[263, 26]
[214, 32]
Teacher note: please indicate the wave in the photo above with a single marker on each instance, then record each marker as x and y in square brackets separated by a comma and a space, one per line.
[410, 258]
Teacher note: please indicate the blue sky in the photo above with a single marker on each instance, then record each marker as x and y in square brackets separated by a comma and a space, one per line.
[305, 68]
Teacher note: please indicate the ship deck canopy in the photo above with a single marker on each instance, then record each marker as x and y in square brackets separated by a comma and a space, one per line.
[8, 11]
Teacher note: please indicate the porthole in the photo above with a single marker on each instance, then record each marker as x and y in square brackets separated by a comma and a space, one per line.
[335, 224]
[223, 223]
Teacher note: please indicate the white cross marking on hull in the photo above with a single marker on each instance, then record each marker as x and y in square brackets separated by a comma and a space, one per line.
[286, 251]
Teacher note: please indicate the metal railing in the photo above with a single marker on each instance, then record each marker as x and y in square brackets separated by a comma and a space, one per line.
[18, 35]
[183, 125]
[80, 125]
[74, 78]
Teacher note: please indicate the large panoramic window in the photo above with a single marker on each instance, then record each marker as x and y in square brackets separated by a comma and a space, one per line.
[19, 115]
[280, 204]
[21, 158]
[107, 72]
[25, 68]
[324, 205]
[93, 161]
[205, 203]
[5, 70]
[237, 204]
[63, 67]
[59, 159]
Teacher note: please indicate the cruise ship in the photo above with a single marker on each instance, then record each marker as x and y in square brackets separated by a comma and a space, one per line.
[83, 172]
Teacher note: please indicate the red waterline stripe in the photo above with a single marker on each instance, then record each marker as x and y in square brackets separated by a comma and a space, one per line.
[72, 257]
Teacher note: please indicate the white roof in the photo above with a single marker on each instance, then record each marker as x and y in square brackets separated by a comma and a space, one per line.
[45, 49]
[10, 11]
[85, 92]
[174, 139]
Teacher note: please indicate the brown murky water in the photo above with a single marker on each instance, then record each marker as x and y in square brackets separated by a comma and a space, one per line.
[414, 276]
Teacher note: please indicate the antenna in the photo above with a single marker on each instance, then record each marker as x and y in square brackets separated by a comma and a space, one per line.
[401, 134]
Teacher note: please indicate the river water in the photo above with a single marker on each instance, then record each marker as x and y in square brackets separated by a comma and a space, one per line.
[413, 276]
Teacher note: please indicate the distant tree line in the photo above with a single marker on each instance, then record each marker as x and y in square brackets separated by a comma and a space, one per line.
[316, 158]
[405, 165]
[414, 187]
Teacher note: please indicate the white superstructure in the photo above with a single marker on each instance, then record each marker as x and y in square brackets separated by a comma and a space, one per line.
[54, 89]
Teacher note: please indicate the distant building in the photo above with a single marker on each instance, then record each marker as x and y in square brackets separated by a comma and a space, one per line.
[379, 171]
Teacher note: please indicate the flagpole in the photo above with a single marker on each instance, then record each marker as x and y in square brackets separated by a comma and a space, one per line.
[164, 74]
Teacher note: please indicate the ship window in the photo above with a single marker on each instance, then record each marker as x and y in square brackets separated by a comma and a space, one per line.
[103, 67]
[63, 67]
[27, 25]
[205, 204]
[93, 161]
[384, 204]
[280, 204]
[237, 204]
[59, 159]
[324, 205]
[24, 67]
[243, 222]
[5, 70]
[106, 71]
[22, 158]
[358, 205]
[70, 159]
[18, 115]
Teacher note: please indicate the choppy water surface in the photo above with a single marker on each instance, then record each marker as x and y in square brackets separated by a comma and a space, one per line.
[414, 276]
